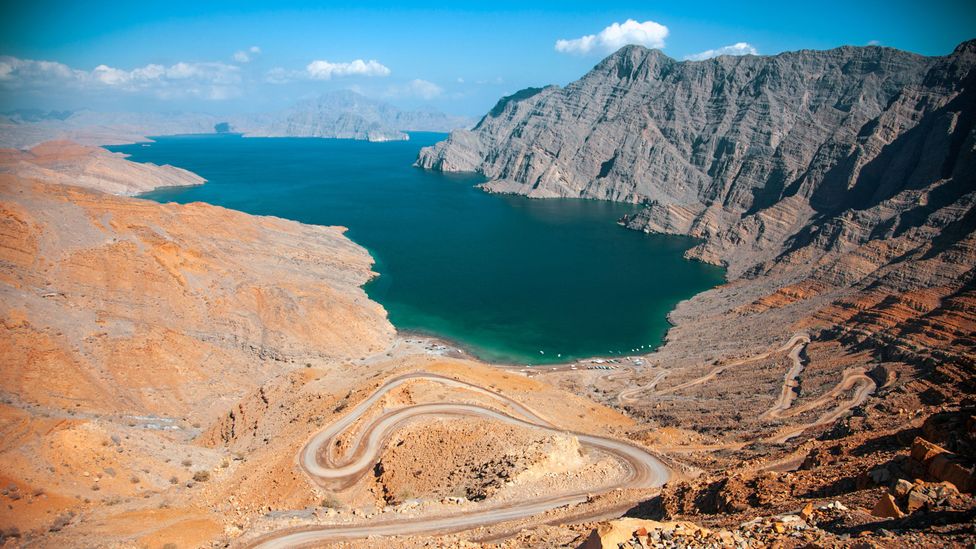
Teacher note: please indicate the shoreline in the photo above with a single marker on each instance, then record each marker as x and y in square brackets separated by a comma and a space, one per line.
[454, 349]
[458, 347]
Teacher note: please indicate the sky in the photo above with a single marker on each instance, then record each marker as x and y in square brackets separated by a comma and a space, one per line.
[457, 57]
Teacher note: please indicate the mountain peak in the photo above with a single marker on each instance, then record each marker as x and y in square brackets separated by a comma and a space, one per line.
[630, 60]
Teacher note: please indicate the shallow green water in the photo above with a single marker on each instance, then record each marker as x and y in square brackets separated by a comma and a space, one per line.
[505, 277]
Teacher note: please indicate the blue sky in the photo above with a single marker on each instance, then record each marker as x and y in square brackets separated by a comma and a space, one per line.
[454, 56]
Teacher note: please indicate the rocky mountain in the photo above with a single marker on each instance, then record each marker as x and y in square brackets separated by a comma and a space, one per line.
[341, 114]
[129, 326]
[347, 114]
[166, 366]
[716, 147]
[844, 177]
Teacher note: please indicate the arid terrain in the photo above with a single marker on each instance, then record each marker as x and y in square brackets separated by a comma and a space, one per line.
[190, 376]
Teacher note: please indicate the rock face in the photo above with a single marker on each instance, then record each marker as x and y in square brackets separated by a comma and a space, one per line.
[744, 151]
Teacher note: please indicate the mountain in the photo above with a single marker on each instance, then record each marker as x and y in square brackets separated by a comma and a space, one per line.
[347, 114]
[24, 129]
[341, 114]
[758, 156]
[838, 188]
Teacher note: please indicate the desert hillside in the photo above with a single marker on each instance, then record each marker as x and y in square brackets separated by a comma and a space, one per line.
[130, 325]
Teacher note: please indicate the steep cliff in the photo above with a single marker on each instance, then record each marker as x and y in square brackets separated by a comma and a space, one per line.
[749, 153]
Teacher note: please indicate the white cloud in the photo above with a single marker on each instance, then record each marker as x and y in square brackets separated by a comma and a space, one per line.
[874, 42]
[739, 48]
[17, 72]
[324, 70]
[648, 34]
[211, 80]
[416, 88]
[279, 75]
[246, 56]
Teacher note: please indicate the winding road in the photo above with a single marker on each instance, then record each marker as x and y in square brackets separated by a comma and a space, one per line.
[317, 458]
[852, 378]
[631, 395]
[788, 393]
[322, 460]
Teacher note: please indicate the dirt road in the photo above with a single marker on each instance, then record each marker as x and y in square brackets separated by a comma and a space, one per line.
[644, 470]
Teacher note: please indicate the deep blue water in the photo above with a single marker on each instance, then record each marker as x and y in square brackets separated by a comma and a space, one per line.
[506, 277]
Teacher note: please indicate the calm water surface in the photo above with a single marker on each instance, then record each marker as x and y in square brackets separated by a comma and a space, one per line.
[509, 278]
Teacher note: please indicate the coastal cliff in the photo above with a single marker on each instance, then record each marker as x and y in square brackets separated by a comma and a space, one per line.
[68, 163]
[838, 188]
[162, 284]
[744, 152]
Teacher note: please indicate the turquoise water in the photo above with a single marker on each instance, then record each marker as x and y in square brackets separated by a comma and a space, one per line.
[505, 277]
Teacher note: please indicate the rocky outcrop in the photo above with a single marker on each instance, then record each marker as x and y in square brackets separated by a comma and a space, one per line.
[745, 152]
[68, 163]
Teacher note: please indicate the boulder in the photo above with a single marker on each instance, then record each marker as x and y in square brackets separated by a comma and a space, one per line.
[902, 487]
[947, 467]
[887, 508]
[613, 534]
[807, 512]
[924, 451]
[880, 476]
[917, 500]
